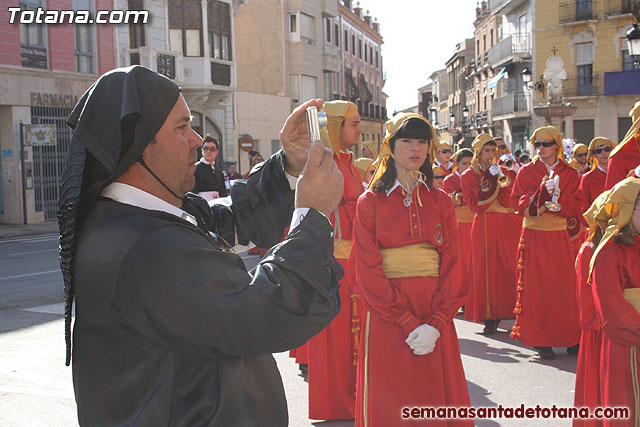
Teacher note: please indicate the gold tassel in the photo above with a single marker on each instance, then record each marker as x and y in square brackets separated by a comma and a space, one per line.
[355, 327]
[515, 331]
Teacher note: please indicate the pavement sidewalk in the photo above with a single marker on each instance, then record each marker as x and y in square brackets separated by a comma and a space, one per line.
[8, 231]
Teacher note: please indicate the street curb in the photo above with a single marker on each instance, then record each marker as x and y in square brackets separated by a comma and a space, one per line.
[8, 231]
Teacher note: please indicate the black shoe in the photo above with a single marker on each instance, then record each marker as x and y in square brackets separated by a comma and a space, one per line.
[463, 308]
[545, 353]
[573, 350]
[490, 326]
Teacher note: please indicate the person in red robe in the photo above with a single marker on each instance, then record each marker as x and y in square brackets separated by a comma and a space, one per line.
[464, 214]
[443, 157]
[332, 353]
[486, 186]
[587, 390]
[546, 307]
[615, 277]
[592, 182]
[626, 156]
[438, 176]
[580, 153]
[407, 266]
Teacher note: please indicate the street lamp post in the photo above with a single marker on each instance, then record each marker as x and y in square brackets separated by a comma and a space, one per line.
[633, 41]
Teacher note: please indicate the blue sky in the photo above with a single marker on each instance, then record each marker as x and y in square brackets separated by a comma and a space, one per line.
[419, 36]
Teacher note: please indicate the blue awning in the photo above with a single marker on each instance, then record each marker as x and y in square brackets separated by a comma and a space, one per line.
[622, 83]
[494, 81]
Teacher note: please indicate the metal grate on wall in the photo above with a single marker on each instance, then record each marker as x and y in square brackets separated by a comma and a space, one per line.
[49, 161]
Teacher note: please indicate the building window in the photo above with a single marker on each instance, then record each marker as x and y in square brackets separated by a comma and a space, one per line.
[307, 28]
[360, 48]
[219, 23]
[365, 53]
[346, 41]
[583, 131]
[336, 35]
[585, 80]
[624, 123]
[33, 51]
[353, 44]
[136, 30]
[84, 40]
[370, 55]
[185, 27]
[627, 61]
[328, 29]
[293, 23]
[377, 58]
[31, 34]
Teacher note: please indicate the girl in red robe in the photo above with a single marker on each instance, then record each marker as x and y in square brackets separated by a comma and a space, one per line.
[407, 268]
[615, 278]
[494, 235]
[547, 307]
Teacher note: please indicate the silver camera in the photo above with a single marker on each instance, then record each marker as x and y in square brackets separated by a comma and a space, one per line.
[315, 120]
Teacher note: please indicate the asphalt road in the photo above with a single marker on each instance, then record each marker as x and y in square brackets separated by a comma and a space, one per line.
[36, 389]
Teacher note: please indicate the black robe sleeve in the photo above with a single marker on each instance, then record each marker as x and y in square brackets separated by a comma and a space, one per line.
[177, 288]
[263, 203]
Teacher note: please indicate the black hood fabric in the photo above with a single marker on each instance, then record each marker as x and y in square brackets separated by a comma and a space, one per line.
[113, 122]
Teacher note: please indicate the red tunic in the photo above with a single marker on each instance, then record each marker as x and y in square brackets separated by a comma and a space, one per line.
[390, 375]
[464, 217]
[332, 370]
[592, 185]
[625, 159]
[494, 243]
[617, 267]
[587, 372]
[546, 307]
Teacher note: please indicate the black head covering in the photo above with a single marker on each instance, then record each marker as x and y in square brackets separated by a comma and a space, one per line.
[114, 121]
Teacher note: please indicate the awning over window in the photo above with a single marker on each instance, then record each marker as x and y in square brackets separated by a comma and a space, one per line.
[494, 81]
[622, 83]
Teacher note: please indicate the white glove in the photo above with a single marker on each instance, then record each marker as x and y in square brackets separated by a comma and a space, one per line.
[551, 185]
[494, 169]
[423, 339]
[637, 172]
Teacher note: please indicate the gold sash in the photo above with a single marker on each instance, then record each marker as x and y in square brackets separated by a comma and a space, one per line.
[497, 207]
[545, 222]
[418, 260]
[343, 250]
[632, 296]
[464, 214]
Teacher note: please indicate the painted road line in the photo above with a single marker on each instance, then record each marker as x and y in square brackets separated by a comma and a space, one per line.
[50, 309]
[30, 274]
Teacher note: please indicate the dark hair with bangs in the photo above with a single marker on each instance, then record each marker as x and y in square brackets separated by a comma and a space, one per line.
[413, 128]
[464, 153]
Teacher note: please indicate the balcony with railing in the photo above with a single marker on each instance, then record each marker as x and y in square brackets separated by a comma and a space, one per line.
[518, 44]
[511, 104]
[169, 64]
[616, 7]
[582, 86]
[504, 6]
[578, 10]
[479, 120]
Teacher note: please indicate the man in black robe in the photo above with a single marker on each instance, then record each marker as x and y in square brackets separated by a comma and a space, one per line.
[208, 176]
[170, 329]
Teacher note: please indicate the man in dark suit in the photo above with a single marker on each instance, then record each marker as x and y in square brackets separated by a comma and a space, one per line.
[208, 177]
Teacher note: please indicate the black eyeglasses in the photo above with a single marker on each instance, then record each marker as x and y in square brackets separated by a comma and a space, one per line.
[209, 149]
[446, 151]
[599, 150]
[502, 147]
[539, 144]
[438, 177]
